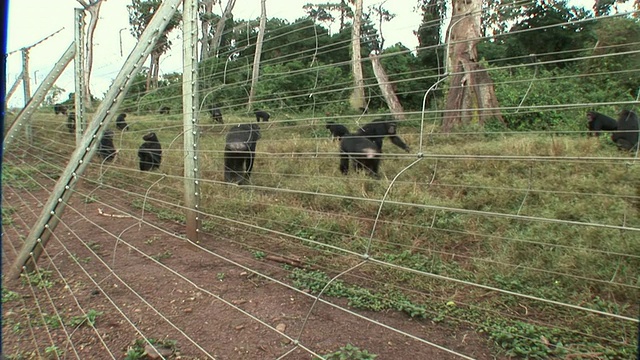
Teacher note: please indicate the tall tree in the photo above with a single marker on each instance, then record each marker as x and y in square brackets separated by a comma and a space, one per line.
[256, 58]
[357, 97]
[430, 33]
[93, 7]
[385, 86]
[140, 14]
[206, 18]
[471, 96]
[217, 36]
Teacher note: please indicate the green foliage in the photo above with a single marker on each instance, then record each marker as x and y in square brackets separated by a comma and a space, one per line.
[526, 87]
[8, 295]
[6, 215]
[616, 38]
[350, 352]
[53, 352]
[259, 255]
[136, 351]
[528, 341]
[358, 297]
[40, 279]
[89, 318]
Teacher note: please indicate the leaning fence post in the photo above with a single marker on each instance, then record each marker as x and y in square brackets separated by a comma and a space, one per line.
[24, 117]
[79, 160]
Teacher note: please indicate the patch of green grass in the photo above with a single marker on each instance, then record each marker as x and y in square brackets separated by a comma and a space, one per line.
[52, 321]
[8, 295]
[163, 255]
[259, 255]
[6, 215]
[136, 351]
[350, 352]
[53, 352]
[40, 279]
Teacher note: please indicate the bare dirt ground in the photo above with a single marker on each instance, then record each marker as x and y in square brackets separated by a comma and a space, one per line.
[195, 296]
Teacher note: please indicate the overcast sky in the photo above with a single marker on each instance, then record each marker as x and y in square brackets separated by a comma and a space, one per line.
[29, 21]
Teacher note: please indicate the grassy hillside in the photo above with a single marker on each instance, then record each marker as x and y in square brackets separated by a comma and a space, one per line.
[549, 216]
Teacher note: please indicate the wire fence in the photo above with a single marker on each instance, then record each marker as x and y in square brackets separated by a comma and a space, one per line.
[517, 239]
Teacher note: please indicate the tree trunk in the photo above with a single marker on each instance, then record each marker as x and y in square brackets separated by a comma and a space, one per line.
[152, 63]
[205, 29]
[357, 98]
[217, 36]
[256, 58]
[386, 88]
[94, 9]
[156, 71]
[471, 97]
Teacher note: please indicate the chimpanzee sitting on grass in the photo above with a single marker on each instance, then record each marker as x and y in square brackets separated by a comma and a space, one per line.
[378, 129]
[106, 148]
[60, 109]
[337, 130]
[121, 124]
[150, 152]
[216, 115]
[239, 152]
[627, 136]
[597, 122]
[71, 122]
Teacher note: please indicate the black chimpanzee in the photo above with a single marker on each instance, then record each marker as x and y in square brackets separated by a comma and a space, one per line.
[597, 122]
[239, 152]
[216, 115]
[337, 130]
[262, 115]
[164, 110]
[363, 153]
[106, 148]
[121, 124]
[60, 109]
[71, 122]
[378, 129]
[150, 152]
[627, 138]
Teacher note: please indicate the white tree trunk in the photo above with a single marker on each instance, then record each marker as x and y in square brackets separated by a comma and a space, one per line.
[205, 28]
[386, 88]
[256, 58]
[471, 96]
[217, 36]
[357, 97]
[93, 7]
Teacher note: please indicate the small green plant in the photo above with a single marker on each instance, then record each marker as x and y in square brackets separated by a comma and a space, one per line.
[90, 199]
[137, 350]
[79, 259]
[259, 255]
[52, 321]
[151, 240]
[89, 318]
[220, 276]
[95, 246]
[17, 328]
[8, 295]
[40, 279]
[53, 351]
[164, 255]
[6, 215]
[349, 352]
